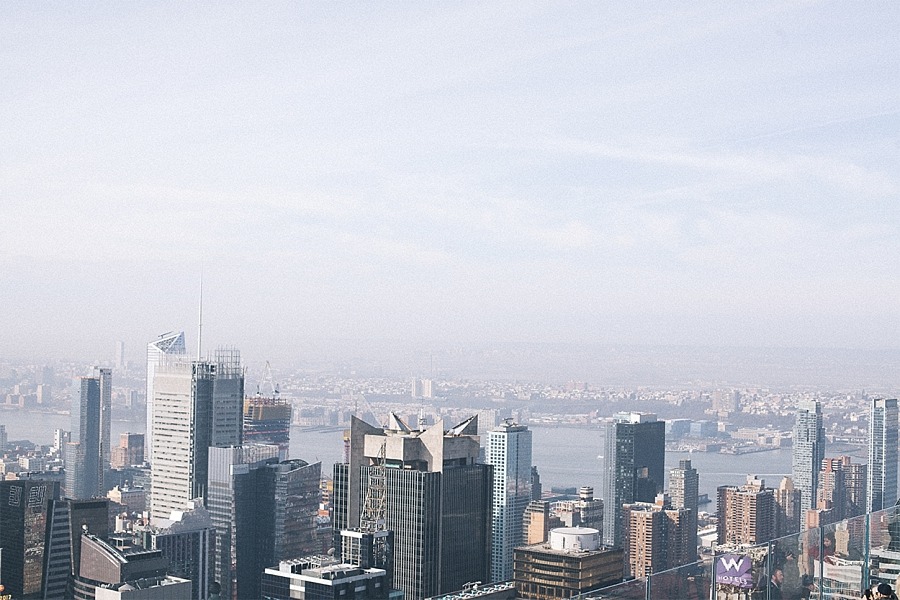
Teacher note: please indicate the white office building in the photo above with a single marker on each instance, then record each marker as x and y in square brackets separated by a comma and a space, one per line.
[198, 405]
[168, 344]
[509, 451]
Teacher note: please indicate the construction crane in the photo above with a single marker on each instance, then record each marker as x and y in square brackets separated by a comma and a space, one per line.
[268, 381]
[371, 545]
[372, 518]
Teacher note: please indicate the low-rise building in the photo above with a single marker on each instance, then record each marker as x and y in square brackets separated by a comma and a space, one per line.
[324, 577]
[570, 563]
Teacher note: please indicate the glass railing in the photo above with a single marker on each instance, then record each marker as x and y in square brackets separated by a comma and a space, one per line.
[834, 562]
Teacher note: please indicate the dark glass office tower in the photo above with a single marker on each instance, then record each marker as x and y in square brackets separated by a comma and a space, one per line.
[24, 508]
[263, 511]
[437, 501]
[89, 459]
[635, 467]
[68, 521]
[296, 499]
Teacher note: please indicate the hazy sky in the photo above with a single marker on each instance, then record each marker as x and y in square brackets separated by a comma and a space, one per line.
[723, 173]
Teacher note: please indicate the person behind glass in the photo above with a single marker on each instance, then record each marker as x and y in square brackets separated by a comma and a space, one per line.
[775, 583]
[791, 570]
[807, 587]
[883, 591]
[828, 547]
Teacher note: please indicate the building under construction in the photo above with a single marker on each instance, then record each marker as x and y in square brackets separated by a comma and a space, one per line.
[267, 420]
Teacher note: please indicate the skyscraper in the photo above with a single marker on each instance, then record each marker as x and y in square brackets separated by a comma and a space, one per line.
[635, 455]
[684, 492]
[808, 452]
[197, 406]
[68, 520]
[296, 502]
[436, 501]
[89, 460]
[168, 344]
[268, 421]
[263, 511]
[881, 490]
[509, 451]
[120, 355]
[24, 508]
[241, 505]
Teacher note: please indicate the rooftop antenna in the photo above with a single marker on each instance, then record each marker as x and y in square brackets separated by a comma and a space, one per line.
[200, 320]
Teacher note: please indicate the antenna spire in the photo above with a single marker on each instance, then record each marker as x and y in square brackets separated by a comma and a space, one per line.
[200, 321]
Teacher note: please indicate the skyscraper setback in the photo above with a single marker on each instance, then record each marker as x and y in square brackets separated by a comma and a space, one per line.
[635, 455]
[881, 490]
[808, 452]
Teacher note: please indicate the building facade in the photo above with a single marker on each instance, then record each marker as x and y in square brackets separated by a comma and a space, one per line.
[881, 491]
[508, 450]
[787, 508]
[68, 521]
[197, 406]
[436, 501]
[746, 514]
[635, 455]
[130, 451]
[808, 452]
[684, 492]
[168, 344]
[324, 578]
[572, 562]
[240, 504]
[188, 543]
[90, 450]
[657, 538]
[268, 421]
[24, 514]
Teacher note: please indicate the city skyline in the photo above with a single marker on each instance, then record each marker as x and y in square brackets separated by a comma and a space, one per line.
[701, 175]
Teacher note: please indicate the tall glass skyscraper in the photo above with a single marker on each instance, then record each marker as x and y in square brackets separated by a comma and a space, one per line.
[881, 488]
[241, 506]
[168, 344]
[509, 451]
[89, 458]
[808, 452]
[635, 467]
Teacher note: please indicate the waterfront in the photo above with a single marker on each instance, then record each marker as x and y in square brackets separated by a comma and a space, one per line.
[565, 456]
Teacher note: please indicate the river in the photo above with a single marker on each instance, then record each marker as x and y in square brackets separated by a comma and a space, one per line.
[565, 456]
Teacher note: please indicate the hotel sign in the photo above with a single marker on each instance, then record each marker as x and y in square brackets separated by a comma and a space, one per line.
[734, 569]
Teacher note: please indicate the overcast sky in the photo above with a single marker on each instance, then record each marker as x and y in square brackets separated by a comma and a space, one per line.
[723, 173]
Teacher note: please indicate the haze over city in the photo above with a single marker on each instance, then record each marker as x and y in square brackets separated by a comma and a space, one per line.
[448, 175]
